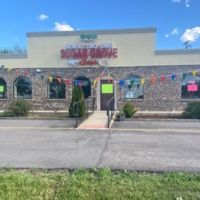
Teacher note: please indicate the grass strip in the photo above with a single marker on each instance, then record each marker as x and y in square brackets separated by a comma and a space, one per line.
[97, 184]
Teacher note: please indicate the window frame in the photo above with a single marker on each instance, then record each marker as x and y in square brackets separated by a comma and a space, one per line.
[55, 83]
[4, 84]
[15, 89]
[194, 80]
[132, 87]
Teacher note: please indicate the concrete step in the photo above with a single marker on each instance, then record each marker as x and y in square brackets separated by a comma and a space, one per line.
[98, 120]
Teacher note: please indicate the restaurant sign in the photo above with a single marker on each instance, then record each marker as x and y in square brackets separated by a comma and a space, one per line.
[88, 54]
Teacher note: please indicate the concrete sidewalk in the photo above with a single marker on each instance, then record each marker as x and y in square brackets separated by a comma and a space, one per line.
[98, 120]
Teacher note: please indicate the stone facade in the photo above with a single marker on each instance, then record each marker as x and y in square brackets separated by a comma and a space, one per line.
[158, 97]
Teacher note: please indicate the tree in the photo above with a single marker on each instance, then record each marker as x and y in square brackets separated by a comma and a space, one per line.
[16, 49]
[77, 96]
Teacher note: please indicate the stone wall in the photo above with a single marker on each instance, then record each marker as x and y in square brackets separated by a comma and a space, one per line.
[158, 97]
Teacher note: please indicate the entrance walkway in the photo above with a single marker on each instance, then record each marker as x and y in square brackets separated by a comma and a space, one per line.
[98, 120]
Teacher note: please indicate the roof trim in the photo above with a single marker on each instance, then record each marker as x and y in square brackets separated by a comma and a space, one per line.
[103, 32]
[12, 56]
[177, 52]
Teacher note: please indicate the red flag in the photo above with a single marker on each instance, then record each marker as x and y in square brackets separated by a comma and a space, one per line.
[67, 81]
[163, 78]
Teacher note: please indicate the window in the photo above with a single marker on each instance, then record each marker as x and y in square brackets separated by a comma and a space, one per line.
[3, 89]
[191, 87]
[56, 88]
[23, 88]
[85, 84]
[133, 89]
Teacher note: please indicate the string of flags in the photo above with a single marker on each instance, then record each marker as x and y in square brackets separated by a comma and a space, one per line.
[105, 72]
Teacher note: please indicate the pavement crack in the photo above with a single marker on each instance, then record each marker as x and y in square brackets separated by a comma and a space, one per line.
[104, 149]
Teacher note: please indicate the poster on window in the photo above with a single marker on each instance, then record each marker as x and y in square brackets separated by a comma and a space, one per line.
[192, 88]
[107, 88]
[1, 88]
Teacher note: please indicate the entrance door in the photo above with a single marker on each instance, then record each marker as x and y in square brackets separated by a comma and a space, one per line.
[107, 92]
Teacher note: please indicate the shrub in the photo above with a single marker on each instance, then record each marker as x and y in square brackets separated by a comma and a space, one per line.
[192, 110]
[129, 110]
[20, 107]
[77, 95]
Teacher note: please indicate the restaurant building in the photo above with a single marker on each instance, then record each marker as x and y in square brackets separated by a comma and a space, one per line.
[119, 63]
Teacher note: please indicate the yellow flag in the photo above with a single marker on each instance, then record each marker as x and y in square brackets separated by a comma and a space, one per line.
[142, 81]
[194, 72]
[9, 69]
[95, 81]
[50, 79]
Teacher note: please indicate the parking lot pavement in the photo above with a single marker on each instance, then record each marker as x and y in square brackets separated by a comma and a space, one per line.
[142, 146]
[179, 125]
[42, 123]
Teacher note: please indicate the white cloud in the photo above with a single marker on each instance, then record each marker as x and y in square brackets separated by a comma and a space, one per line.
[62, 27]
[167, 35]
[176, 31]
[176, 1]
[187, 3]
[191, 34]
[43, 17]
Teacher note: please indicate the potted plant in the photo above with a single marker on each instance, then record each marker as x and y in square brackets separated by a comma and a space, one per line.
[120, 116]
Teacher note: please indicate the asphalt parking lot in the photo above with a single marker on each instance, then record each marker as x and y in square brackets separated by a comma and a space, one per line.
[143, 146]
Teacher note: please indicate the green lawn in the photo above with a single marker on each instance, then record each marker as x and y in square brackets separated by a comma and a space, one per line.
[97, 184]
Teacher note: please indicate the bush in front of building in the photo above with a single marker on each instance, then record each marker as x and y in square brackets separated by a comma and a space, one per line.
[20, 107]
[77, 96]
[129, 110]
[192, 110]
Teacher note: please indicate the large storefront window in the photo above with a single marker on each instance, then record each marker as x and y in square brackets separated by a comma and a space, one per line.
[133, 89]
[23, 88]
[56, 88]
[191, 87]
[3, 89]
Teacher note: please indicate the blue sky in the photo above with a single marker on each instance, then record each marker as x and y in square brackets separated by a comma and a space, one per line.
[176, 20]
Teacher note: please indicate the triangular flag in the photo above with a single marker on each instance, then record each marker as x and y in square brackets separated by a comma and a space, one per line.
[59, 80]
[34, 74]
[184, 75]
[76, 82]
[98, 79]
[121, 83]
[132, 82]
[194, 72]
[102, 75]
[173, 77]
[25, 73]
[163, 78]
[95, 81]
[17, 70]
[153, 80]
[109, 78]
[86, 83]
[81, 83]
[142, 81]
[129, 87]
[42, 77]
[9, 69]
[67, 81]
[50, 79]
